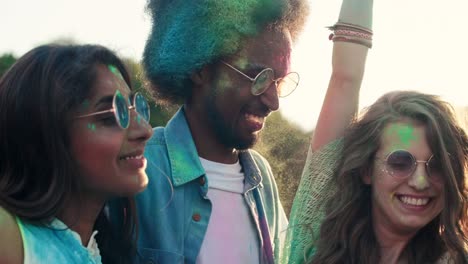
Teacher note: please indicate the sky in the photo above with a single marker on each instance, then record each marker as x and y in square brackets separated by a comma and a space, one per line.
[418, 44]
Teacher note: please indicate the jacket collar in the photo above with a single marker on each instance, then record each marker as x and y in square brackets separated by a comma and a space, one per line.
[182, 152]
[183, 155]
[252, 174]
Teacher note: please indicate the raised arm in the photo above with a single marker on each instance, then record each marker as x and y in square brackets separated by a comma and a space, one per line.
[352, 39]
[348, 61]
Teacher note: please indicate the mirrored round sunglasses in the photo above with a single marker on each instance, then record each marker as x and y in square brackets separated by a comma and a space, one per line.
[121, 109]
[284, 86]
[402, 164]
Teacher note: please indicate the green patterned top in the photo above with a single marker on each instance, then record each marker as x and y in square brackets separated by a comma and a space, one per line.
[308, 210]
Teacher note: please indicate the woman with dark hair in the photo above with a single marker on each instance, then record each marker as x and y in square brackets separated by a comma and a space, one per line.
[72, 136]
[389, 186]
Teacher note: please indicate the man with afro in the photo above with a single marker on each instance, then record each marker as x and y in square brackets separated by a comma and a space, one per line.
[211, 199]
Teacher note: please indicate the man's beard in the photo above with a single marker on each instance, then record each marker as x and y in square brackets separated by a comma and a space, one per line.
[225, 133]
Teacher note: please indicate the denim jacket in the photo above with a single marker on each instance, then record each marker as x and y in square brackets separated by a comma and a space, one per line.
[174, 211]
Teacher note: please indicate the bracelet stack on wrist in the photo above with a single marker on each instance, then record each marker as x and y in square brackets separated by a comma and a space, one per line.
[347, 32]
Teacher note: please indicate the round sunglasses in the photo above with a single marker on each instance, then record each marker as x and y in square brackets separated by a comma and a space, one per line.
[284, 86]
[121, 109]
[401, 164]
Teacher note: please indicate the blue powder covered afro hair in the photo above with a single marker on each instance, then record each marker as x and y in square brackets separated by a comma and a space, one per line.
[188, 34]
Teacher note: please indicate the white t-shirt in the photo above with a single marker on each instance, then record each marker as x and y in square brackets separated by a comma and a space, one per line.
[231, 236]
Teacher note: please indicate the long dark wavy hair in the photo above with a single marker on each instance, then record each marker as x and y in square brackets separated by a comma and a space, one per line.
[347, 235]
[38, 174]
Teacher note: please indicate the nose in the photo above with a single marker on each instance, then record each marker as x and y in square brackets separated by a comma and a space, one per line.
[419, 180]
[270, 97]
[139, 128]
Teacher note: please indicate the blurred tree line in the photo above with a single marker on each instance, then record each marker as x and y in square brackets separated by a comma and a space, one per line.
[6, 60]
[285, 147]
[282, 143]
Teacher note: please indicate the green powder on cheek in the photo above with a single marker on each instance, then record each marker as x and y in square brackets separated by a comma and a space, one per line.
[92, 127]
[85, 105]
[242, 63]
[223, 84]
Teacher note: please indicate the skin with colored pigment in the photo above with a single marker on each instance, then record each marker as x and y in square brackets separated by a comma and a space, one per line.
[403, 134]
[242, 62]
[115, 71]
[225, 82]
[404, 137]
[101, 146]
[421, 181]
[138, 119]
[403, 206]
[84, 105]
[233, 117]
[92, 127]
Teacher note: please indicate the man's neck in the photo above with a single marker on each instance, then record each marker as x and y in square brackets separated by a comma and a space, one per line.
[206, 142]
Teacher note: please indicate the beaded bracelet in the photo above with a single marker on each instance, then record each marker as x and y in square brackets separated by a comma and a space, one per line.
[347, 32]
[353, 33]
[350, 26]
[361, 41]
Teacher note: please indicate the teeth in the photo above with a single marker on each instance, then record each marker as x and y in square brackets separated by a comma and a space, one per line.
[414, 201]
[132, 157]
